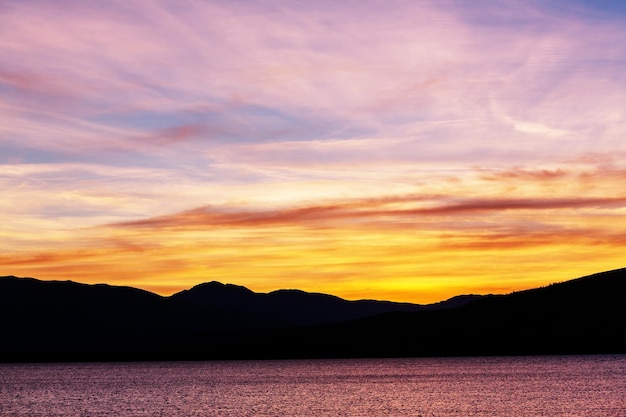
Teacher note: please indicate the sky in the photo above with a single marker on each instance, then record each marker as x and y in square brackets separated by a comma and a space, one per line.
[399, 150]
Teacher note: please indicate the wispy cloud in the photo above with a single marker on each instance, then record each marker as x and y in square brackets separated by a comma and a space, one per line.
[368, 209]
[368, 71]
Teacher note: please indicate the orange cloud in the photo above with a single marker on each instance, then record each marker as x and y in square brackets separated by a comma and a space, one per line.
[527, 174]
[363, 210]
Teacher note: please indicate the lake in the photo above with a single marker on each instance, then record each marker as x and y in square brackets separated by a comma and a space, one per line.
[586, 386]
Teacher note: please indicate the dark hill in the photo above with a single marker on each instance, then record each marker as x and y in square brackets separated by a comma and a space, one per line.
[66, 320]
[580, 316]
[294, 307]
[46, 320]
[34, 311]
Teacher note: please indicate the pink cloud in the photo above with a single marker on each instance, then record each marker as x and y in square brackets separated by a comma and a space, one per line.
[392, 71]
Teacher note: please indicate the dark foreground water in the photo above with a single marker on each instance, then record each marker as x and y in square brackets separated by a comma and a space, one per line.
[586, 386]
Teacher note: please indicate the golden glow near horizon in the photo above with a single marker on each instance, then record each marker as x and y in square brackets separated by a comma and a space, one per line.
[411, 153]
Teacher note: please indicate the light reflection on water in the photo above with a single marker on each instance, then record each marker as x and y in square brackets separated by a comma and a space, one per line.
[585, 386]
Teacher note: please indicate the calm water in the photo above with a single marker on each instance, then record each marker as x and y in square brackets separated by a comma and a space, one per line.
[536, 386]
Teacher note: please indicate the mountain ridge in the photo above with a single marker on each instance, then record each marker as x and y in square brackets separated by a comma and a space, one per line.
[64, 320]
[218, 284]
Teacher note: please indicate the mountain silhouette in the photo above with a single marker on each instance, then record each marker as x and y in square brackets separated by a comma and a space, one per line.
[580, 316]
[295, 307]
[68, 321]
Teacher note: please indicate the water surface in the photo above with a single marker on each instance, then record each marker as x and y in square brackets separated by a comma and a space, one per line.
[585, 386]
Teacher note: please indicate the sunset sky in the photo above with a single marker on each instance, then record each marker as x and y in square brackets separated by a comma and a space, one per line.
[402, 150]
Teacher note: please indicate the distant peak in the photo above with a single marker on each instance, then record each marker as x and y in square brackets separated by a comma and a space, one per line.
[215, 289]
[219, 285]
[211, 284]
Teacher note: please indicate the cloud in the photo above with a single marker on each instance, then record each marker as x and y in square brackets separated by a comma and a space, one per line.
[375, 210]
[518, 173]
[370, 72]
[175, 134]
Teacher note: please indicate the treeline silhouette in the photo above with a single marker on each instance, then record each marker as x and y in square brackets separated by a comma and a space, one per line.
[67, 321]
